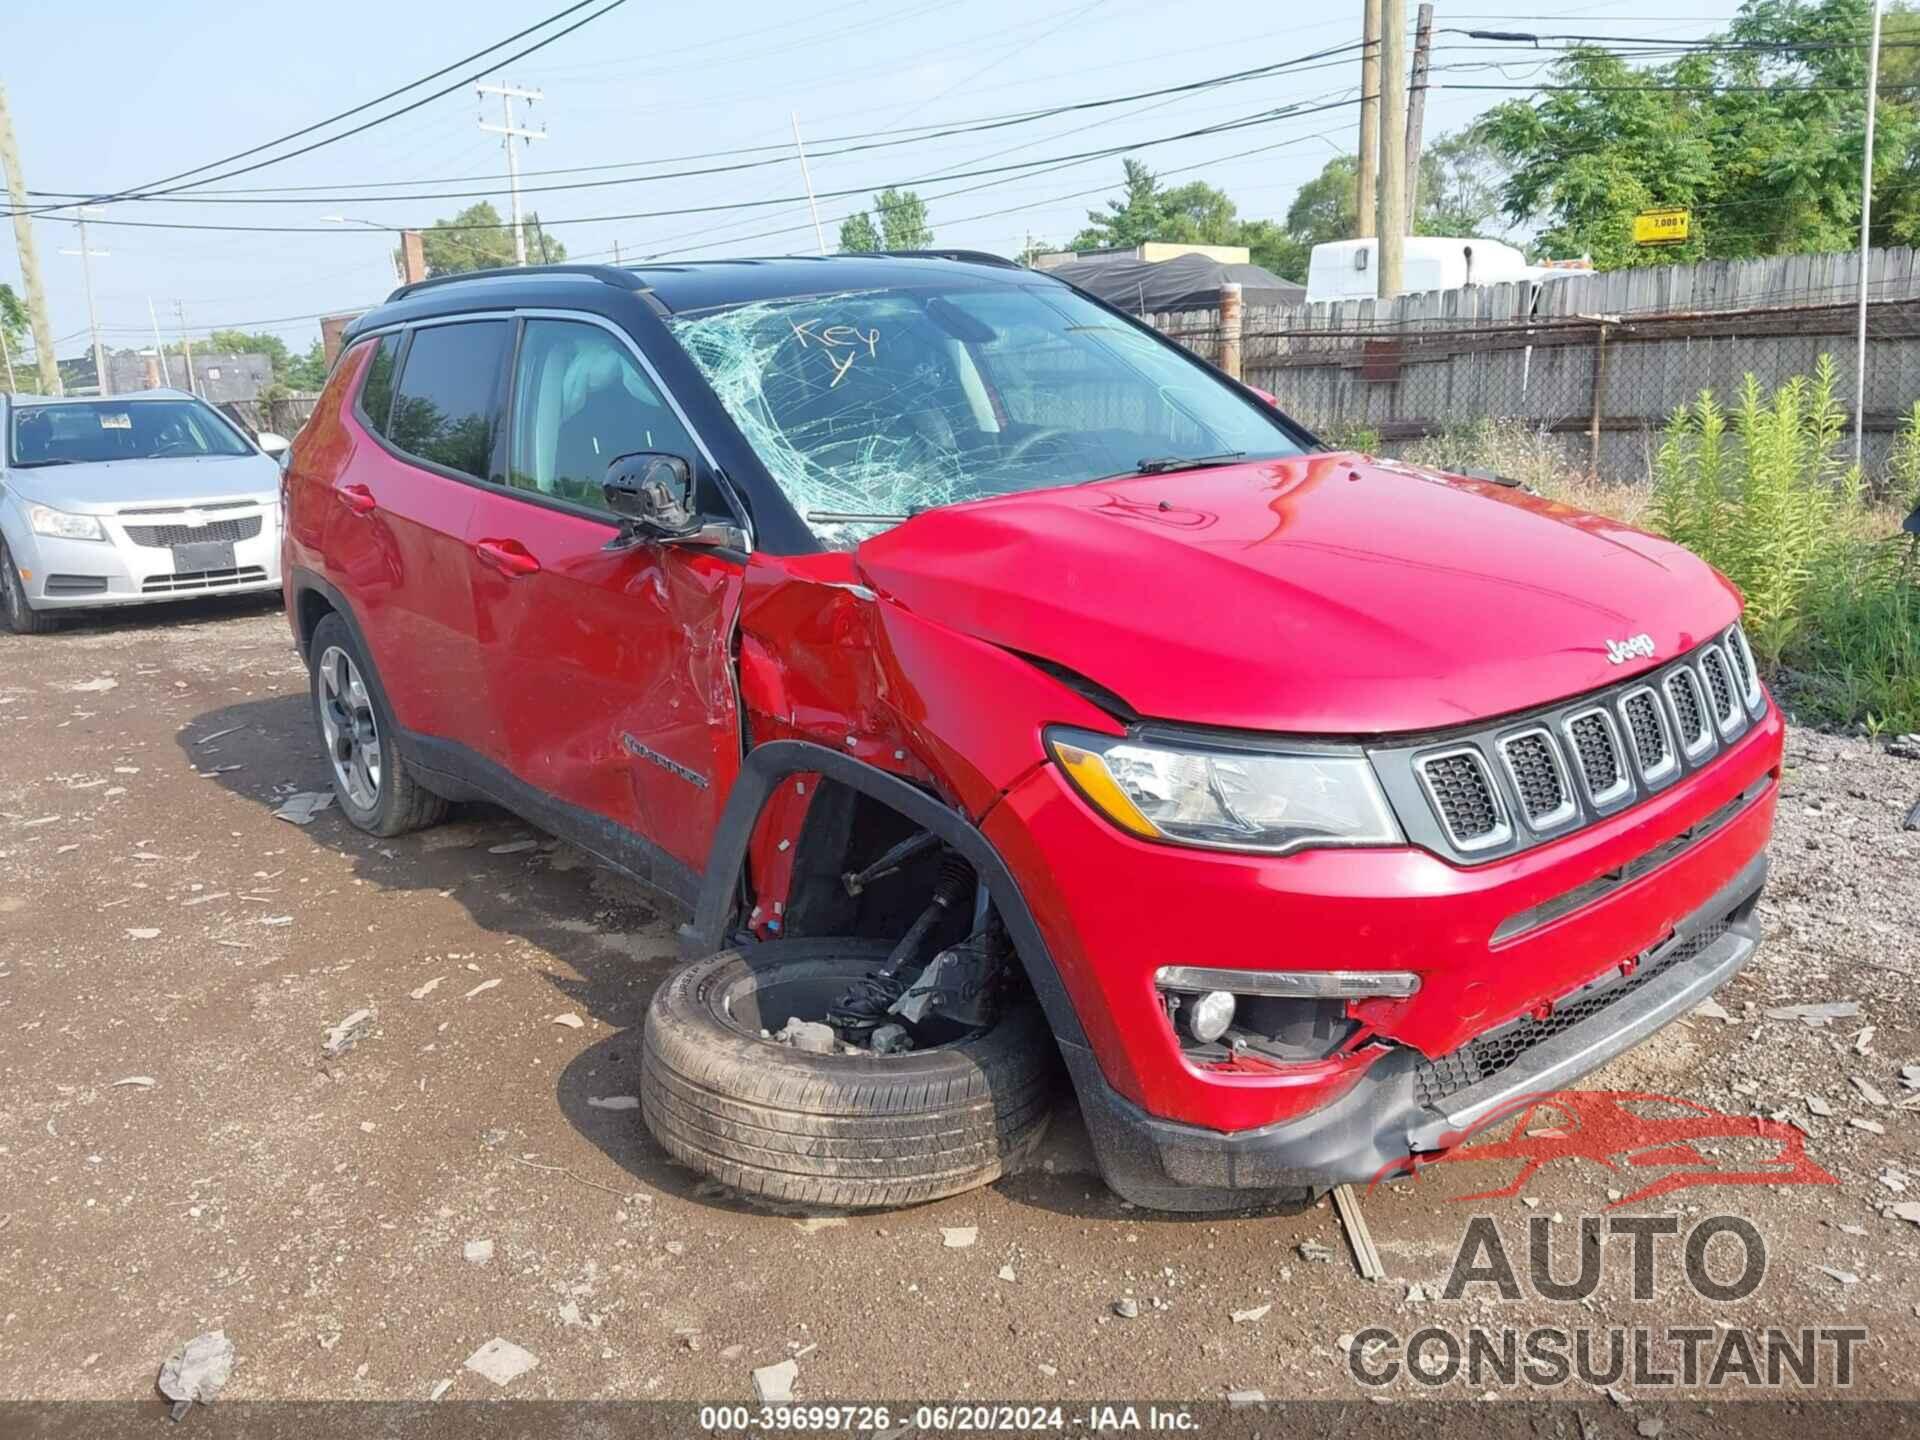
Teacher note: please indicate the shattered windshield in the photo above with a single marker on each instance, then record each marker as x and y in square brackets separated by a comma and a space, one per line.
[869, 406]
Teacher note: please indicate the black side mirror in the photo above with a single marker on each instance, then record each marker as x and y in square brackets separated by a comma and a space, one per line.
[1912, 524]
[652, 493]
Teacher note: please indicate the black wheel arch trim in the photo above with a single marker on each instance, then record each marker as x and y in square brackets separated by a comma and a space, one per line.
[768, 765]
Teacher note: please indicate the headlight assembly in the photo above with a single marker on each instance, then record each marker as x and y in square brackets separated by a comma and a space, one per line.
[1220, 797]
[59, 525]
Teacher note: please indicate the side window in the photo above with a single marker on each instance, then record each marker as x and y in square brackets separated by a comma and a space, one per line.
[376, 390]
[579, 400]
[445, 407]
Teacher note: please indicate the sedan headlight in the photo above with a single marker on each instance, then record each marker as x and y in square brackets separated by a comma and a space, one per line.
[1224, 798]
[58, 524]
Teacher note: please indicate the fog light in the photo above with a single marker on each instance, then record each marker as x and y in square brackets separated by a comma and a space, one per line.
[1209, 1015]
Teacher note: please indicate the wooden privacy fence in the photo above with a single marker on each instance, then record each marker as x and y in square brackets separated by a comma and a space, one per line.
[1601, 360]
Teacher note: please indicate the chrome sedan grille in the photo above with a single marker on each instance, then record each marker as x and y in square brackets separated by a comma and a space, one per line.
[1505, 787]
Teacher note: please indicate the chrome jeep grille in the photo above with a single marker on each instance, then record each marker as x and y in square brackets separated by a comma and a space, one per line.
[1534, 766]
[1683, 694]
[1725, 705]
[1597, 750]
[1499, 788]
[1463, 795]
[1646, 730]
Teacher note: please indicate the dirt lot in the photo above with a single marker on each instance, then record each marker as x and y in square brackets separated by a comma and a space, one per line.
[177, 1155]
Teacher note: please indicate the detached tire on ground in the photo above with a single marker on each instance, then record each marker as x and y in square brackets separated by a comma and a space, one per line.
[857, 1131]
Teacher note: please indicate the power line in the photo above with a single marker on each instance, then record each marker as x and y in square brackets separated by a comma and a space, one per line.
[332, 196]
[1243, 122]
[147, 191]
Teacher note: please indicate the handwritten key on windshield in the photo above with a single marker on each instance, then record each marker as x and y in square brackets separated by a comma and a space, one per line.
[841, 342]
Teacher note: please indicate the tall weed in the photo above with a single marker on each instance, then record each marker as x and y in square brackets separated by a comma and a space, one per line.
[1764, 492]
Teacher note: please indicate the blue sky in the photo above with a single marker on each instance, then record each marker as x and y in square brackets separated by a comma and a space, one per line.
[123, 93]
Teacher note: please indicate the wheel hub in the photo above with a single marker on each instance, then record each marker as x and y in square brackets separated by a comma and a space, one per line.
[348, 725]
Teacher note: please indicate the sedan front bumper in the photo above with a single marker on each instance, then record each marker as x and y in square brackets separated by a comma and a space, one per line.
[147, 560]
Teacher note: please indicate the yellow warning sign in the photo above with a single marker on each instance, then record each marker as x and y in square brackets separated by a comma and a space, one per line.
[1662, 227]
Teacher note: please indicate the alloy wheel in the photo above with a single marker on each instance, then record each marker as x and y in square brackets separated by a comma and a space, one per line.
[348, 725]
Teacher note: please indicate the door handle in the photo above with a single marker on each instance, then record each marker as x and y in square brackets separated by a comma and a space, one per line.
[509, 557]
[357, 498]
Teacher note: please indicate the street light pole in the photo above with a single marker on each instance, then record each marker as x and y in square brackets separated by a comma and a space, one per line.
[102, 381]
[392, 259]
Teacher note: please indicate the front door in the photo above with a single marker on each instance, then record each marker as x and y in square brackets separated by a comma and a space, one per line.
[610, 667]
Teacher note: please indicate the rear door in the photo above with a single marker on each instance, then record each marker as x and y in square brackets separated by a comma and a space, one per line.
[610, 666]
[432, 404]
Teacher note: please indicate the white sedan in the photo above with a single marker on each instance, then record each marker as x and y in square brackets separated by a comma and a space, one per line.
[133, 500]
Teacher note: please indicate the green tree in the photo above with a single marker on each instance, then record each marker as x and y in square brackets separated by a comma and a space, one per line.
[14, 330]
[308, 372]
[1761, 139]
[857, 235]
[477, 239]
[902, 226]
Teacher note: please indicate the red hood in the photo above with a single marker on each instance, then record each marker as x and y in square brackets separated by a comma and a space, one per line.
[1326, 594]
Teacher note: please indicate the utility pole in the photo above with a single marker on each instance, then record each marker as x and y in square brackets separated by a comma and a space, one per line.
[1866, 225]
[102, 381]
[1390, 216]
[1368, 180]
[159, 346]
[186, 345]
[510, 133]
[1417, 110]
[29, 259]
[819, 235]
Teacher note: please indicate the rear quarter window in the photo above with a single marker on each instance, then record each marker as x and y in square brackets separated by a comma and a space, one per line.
[376, 391]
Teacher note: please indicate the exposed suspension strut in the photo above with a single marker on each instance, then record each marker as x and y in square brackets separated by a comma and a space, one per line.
[864, 1006]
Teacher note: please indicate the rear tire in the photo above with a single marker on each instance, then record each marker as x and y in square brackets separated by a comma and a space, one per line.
[371, 781]
[853, 1131]
[21, 617]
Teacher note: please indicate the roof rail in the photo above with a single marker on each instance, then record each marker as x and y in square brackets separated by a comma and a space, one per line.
[605, 274]
[972, 257]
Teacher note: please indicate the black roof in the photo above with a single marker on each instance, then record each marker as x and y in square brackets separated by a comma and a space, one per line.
[686, 285]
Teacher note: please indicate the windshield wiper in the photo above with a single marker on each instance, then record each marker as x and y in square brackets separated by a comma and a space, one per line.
[861, 517]
[37, 464]
[1160, 464]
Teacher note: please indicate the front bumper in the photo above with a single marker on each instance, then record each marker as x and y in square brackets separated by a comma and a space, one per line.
[84, 574]
[1371, 1130]
[1113, 909]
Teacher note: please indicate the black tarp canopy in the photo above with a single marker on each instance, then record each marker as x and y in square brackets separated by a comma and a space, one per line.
[1186, 282]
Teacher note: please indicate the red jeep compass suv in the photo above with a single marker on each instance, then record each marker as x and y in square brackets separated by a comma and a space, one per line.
[994, 683]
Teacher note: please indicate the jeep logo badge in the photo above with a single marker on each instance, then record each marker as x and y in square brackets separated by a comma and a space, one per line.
[1621, 651]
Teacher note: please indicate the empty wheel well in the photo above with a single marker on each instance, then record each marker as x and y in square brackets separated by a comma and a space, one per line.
[845, 832]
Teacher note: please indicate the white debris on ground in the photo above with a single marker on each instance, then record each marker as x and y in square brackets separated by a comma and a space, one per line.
[501, 1361]
[348, 1033]
[958, 1237]
[301, 808]
[197, 1371]
[773, 1384]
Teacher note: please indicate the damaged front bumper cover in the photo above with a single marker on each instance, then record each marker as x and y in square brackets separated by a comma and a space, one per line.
[1372, 1130]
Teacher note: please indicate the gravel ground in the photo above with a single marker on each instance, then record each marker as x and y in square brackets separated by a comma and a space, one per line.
[177, 1154]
